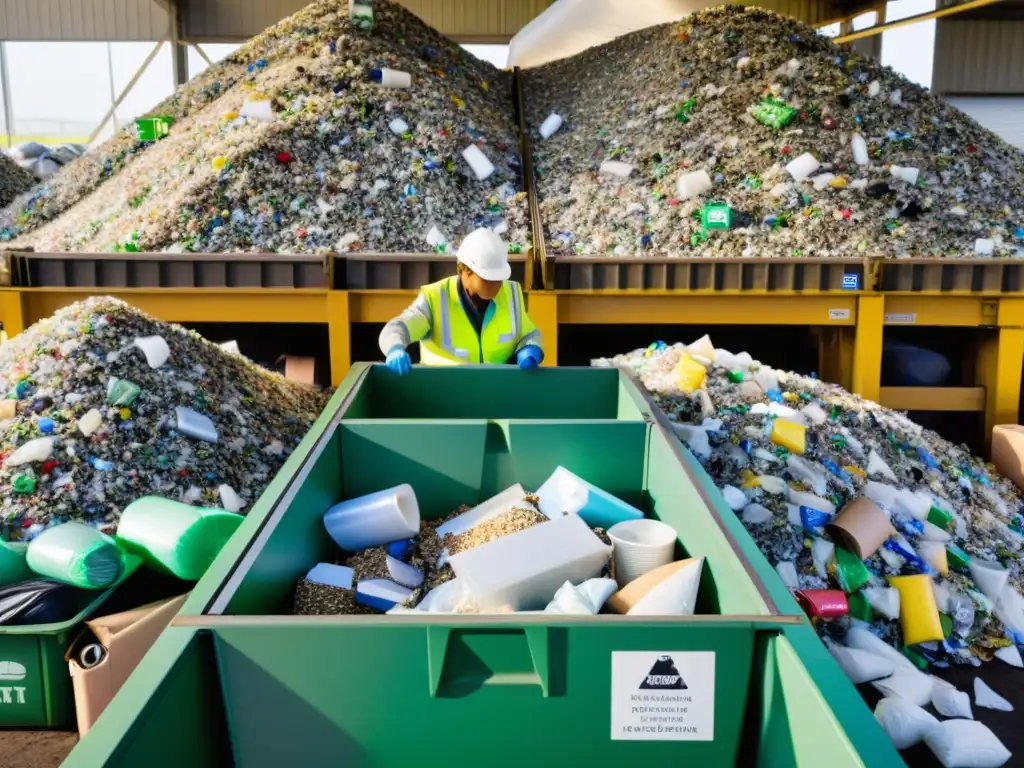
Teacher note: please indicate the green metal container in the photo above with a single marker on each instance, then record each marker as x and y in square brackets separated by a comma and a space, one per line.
[466, 690]
[35, 685]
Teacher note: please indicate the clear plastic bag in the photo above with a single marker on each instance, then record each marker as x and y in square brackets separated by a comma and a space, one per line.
[860, 666]
[910, 684]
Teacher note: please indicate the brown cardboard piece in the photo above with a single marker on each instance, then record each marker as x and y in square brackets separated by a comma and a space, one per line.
[126, 637]
[1008, 452]
[300, 369]
[624, 600]
[861, 527]
[8, 409]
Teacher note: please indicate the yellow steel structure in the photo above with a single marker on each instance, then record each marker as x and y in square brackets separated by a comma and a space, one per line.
[849, 326]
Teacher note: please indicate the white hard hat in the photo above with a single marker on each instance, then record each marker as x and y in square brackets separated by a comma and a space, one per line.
[484, 252]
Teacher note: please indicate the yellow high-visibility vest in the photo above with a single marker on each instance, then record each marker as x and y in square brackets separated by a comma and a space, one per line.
[453, 339]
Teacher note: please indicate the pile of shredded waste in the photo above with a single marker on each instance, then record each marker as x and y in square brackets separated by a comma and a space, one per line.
[738, 132]
[936, 494]
[104, 404]
[14, 180]
[313, 137]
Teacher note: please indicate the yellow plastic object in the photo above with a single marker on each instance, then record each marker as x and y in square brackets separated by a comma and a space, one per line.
[855, 470]
[689, 374]
[919, 616]
[219, 163]
[790, 435]
[750, 480]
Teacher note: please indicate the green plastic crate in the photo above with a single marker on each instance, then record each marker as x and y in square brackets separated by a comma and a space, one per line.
[35, 685]
[153, 128]
[461, 690]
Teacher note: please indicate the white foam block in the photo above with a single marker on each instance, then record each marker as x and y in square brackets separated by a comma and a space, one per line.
[524, 570]
[615, 168]
[495, 505]
[481, 166]
[331, 575]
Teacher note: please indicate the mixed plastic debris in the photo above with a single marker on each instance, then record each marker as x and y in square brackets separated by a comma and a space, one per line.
[14, 180]
[290, 146]
[815, 150]
[904, 549]
[96, 426]
[515, 552]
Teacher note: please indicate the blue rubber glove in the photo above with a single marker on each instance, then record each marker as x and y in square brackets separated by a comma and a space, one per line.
[398, 361]
[529, 357]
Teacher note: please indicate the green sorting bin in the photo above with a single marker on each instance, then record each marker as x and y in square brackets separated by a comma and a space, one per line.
[463, 690]
[35, 685]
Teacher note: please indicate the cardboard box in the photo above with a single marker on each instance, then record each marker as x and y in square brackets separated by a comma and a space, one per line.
[126, 637]
[1008, 452]
[299, 369]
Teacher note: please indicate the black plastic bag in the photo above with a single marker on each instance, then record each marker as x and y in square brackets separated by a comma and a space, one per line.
[41, 601]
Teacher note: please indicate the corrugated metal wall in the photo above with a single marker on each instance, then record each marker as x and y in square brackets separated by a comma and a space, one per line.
[38, 20]
[982, 57]
[234, 20]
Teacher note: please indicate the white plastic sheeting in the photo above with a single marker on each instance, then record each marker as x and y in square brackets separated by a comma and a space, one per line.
[571, 26]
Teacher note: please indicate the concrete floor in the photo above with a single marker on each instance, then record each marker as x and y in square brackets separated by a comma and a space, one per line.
[36, 749]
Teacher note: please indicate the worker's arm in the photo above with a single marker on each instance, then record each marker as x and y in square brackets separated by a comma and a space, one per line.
[529, 349]
[411, 326]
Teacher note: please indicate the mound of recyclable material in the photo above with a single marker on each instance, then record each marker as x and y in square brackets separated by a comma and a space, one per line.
[292, 146]
[14, 180]
[816, 151]
[105, 405]
[933, 492]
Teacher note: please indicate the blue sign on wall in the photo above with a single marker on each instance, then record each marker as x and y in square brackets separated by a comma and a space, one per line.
[851, 282]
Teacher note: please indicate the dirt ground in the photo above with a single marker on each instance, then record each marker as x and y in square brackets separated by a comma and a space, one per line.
[35, 749]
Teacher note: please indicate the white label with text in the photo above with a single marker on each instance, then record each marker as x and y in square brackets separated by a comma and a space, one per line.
[663, 695]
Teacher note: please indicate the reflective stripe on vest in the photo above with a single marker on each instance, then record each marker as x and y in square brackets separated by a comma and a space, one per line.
[446, 326]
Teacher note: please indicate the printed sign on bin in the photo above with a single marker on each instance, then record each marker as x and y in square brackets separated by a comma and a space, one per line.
[663, 696]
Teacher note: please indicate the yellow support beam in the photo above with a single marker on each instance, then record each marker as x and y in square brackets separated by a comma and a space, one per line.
[192, 305]
[12, 313]
[971, 399]
[938, 13]
[378, 306]
[543, 309]
[867, 347]
[339, 329]
[999, 370]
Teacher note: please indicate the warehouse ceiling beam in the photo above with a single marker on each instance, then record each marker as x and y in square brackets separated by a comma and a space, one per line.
[127, 89]
[936, 14]
[179, 50]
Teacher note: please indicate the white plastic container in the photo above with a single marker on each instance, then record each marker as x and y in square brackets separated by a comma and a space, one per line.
[907, 174]
[640, 546]
[195, 425]
[803, 167]
[481, 512]
[615, 168]
[155, 349]
[481, 166]
[394, 78]
[550, 125]
[860, 150]
[984, 246]
[524, 570]
[398, 126]
[374, 519]
[693, 184]
[564, 492]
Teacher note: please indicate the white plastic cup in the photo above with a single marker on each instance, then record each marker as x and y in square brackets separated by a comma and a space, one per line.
[377, 518]
[640, 546]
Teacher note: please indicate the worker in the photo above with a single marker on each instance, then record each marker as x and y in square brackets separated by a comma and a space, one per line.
[476, 316]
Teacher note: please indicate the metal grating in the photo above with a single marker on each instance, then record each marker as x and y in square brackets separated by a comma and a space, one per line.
[951, 275]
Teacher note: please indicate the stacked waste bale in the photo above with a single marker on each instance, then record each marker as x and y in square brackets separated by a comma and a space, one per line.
[14, 180]
[105, 404]
[933, 491]
[815, 151]
[299, 144]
